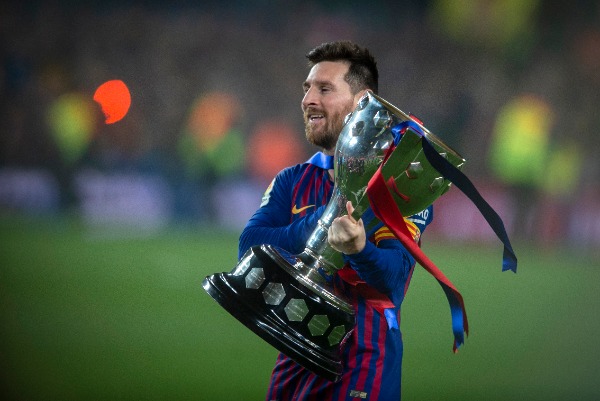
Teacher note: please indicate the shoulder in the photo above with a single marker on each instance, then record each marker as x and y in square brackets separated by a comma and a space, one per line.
[284, 181]
[291, 174]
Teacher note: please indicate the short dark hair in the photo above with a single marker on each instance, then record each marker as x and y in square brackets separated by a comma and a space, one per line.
[362, 73]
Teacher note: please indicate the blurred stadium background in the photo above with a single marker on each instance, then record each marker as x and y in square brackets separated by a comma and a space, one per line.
[107, 226]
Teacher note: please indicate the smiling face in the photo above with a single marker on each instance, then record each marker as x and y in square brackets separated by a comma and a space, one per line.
[327, 100]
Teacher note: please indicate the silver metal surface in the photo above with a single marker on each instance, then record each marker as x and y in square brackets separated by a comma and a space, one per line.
[362, 146]
[274, 293]
[296, 309]
[318, 325]
[360, 149]
[308, 276]
[255, 278]
[336, 335]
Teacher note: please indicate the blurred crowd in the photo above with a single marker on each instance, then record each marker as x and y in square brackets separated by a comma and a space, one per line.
[215, 105]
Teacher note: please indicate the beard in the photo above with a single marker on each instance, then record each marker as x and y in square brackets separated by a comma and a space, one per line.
[325, 137]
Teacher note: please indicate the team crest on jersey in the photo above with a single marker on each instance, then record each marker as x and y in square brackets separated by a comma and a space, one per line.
[267, 194]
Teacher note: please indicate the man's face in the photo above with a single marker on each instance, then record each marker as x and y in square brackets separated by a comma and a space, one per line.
[327, 100]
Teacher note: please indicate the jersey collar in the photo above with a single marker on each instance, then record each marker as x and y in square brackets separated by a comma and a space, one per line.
[322, 160]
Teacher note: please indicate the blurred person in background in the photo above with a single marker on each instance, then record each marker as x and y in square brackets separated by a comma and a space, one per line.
[519, 155]
[376, 268]
[211, 149]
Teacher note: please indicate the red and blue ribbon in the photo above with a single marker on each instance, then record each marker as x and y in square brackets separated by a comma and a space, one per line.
[386, 210]
[462, 182]
[454, 175]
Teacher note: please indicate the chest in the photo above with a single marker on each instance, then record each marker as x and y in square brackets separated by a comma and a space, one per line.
[312, 189]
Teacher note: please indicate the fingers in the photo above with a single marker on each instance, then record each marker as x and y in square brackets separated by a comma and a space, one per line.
[346, 234]
[333, 239]
[350, 209]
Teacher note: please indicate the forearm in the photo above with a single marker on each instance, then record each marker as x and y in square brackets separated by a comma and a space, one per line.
[290, 237]
[382, 267]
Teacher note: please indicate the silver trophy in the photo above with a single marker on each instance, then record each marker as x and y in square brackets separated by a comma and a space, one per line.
[285, 298]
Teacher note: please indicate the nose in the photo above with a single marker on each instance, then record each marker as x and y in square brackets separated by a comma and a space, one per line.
[309, 99]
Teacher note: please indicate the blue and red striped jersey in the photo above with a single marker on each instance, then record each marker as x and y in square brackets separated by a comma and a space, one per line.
[289, 212]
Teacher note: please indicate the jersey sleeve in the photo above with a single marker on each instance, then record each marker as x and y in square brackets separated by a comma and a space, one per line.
[270, 224]
[385, 263]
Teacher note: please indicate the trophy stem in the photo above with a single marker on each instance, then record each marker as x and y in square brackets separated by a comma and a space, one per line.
[314, 263]
[318, 254]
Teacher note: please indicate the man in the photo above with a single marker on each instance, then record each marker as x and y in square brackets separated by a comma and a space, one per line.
[378, 268]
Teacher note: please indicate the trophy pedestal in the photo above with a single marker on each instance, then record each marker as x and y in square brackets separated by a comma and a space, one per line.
[270, 292]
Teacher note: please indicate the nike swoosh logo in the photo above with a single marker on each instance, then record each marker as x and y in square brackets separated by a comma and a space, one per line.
[295, 210]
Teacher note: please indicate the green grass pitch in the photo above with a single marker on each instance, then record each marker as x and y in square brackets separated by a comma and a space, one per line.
[87, 316]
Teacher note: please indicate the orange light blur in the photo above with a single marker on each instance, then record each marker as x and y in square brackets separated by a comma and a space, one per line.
[114, 99]
[273, 146]
[211, 117]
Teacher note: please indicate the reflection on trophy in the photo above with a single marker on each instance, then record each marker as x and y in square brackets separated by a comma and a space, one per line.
[285, 298]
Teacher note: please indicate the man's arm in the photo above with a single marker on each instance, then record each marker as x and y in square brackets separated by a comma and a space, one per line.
[270, 224]
[384, 267]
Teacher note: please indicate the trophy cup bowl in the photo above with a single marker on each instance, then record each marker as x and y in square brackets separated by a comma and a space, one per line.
[285, 298]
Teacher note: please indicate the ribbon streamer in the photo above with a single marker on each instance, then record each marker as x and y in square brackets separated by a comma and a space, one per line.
[379, 195]
[386, 210]
[462, 182]
[509, 259]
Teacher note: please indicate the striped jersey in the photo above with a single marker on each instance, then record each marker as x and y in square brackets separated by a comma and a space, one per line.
[375, 281]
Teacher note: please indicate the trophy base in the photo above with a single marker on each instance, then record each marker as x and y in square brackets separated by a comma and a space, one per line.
[298, 317]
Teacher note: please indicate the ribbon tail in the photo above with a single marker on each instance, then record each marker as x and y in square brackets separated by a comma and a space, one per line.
[509, 259]
[390, 317]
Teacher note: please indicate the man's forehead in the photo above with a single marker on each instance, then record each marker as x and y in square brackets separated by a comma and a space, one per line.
[328, 71]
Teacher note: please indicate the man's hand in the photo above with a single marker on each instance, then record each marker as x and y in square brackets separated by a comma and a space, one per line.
[347, 235]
